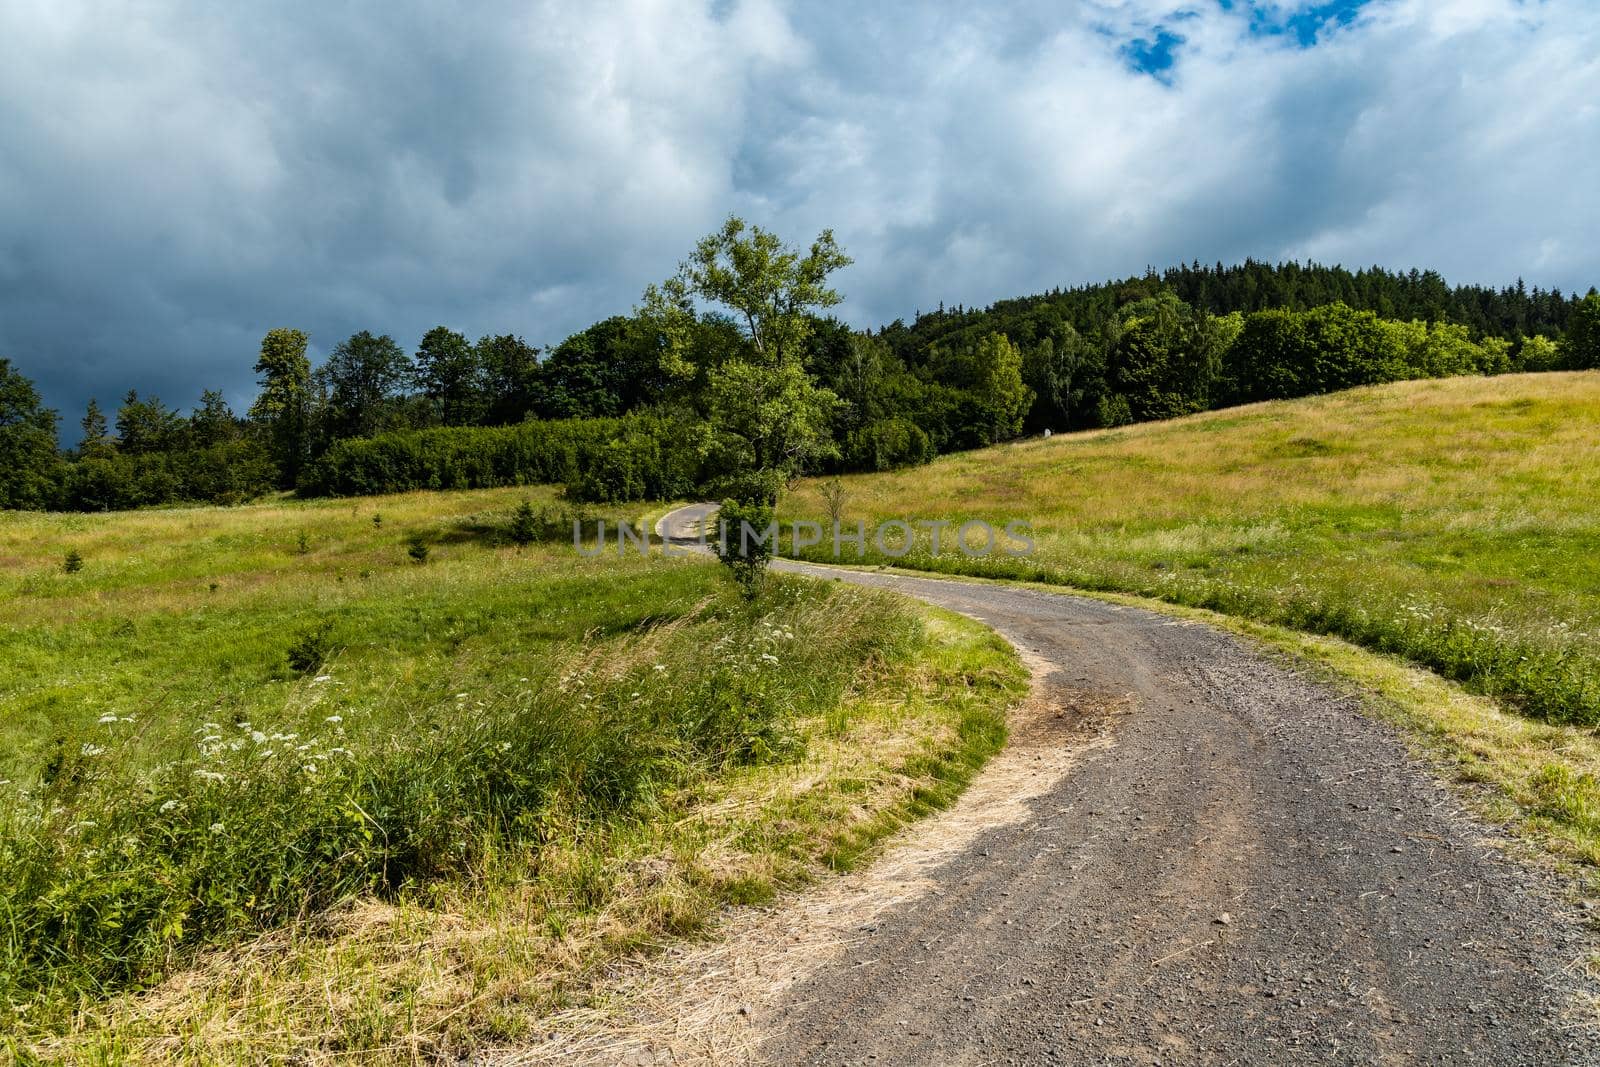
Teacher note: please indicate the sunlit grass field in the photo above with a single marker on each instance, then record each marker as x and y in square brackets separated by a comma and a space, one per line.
[332, 777]
[1455, 523]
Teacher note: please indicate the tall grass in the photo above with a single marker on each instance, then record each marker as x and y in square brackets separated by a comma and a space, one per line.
[199, 791]
[1449, 522]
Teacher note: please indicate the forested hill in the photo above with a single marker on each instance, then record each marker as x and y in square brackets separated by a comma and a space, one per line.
[1512, 312]
[610, 409]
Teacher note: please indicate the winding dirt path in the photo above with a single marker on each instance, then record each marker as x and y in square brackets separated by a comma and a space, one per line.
[1189, 853]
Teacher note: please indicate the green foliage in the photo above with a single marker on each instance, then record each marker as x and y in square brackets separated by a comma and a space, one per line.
[1112, 410]
[29, 466]
[1582, 339]
[766, 417]
[310, 650]
[363, 378]
[768, 287]
[510, 378]
[609, 369]
[746, 541]
[1165, 357]
[524, 524]
[1057, 369]
[72, 563]
[983, 382]
[530, 453]
[1281, 354]
[1538, 353]
[449, 372]
[887, 444]
[284, 403]
[147, 426]
[417, 549]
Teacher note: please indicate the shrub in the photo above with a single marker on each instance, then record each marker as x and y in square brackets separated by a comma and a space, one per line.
[524, 524]
[639, 453]
[310, 650]
[887, 444]
[417, 549]
[73, 563]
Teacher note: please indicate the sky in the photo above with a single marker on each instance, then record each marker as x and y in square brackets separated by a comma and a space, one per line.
[178, 178]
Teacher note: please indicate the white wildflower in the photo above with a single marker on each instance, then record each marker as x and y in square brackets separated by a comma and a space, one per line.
[659, 667]
[211, 776]
[335, 719]
[168, 806]
[92, 750]
[258, 737]
[218, 828]
[108, 717]
[310, 768]
[323, 678]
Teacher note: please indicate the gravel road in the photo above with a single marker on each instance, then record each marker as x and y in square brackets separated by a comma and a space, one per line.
[1248, 872]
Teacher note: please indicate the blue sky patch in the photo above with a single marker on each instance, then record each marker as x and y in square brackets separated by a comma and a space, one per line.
[1154, 56]
[1303, 26]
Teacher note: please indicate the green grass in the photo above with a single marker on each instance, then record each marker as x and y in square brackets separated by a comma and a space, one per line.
[1453, 523]
[276, 786]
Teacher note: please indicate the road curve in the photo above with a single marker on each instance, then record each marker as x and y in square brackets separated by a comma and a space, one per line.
[1249, 872]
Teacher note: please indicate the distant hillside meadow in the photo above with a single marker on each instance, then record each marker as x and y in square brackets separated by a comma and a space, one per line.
[619, 410]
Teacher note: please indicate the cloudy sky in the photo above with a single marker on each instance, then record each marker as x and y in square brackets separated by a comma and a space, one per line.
[176, 178]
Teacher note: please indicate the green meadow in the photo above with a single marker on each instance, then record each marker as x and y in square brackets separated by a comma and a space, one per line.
[252, 754]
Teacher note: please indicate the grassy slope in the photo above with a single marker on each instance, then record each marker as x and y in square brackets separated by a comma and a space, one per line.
[685, 751]
[1451, 522]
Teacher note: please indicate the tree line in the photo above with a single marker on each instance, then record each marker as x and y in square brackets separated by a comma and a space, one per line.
[732, 372]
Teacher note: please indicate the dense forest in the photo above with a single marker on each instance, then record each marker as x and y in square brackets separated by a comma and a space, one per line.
[612, 412]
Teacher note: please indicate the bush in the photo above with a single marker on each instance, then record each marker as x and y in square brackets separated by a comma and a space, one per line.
[73, 563]
[887, 444]
[524, 524]
[310, 650]
[595, 458]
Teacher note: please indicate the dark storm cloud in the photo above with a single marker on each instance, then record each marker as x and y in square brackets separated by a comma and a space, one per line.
[176, 180]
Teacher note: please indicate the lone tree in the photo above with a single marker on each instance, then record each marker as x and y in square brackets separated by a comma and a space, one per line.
[765, 417]
[284, 406]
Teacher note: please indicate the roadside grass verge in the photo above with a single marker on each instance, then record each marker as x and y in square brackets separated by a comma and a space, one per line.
[1452, 523]
[492, 771]
[468, 962]
[1541, 780]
